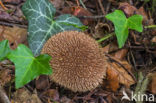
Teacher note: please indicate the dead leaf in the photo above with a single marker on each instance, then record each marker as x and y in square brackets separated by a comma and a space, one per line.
[101, 29]
[106, 48]
[153, 39]
[153, 32]
[128, 9]
[116, 75]
[12, 1]
[113, 47]
[142, 12]
[15, 35]
[110, 47]
[152, 84]
[42, 82]
[112, 80]
[67, 10]
[121, 54]
[79, 11]
[57, 3]
[52, 94]
[24, 96]
[5, 76]
[64, 99]
[4, 16]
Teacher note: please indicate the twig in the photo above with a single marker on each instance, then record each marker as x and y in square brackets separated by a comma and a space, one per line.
[77, 2]
[108, 7]
[92, 17]
[3, 97]
[2, 5]
[102, 8]
[82, 4]
[11, 24]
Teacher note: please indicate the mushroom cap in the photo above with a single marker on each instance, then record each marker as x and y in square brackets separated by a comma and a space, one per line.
[77, 61]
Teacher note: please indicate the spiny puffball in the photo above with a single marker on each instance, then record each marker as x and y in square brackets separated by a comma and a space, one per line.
[78, 62]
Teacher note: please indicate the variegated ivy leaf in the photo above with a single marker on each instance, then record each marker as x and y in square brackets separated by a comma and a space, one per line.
[42, 25]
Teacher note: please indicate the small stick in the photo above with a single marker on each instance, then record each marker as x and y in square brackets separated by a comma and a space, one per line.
[101, 6]
[3, 97]
[2, 5]
[77, 2]
[83, 4]
[11, 24]
[92, 17]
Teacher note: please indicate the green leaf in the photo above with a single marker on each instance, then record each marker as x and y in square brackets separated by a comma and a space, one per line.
[122, 24]
[121, 28]
[42, 25]
[135, 23]
[27, 66]
[5, 49]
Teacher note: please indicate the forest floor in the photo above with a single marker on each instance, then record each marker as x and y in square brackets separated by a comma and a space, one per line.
[132, 68]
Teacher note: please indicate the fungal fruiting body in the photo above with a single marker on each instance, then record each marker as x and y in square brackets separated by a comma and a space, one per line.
[77, 60]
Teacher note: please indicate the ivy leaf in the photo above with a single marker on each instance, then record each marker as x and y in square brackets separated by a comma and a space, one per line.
[135, 23]
[5, 49]
[121, 28]
[122, 24]
[27, 66]
[42, 25]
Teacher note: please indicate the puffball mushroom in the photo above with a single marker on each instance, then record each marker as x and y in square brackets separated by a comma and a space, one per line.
[77, 61]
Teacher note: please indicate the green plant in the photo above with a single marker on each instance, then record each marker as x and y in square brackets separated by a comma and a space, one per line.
[27, 66]
[41, 26]
[122, 24]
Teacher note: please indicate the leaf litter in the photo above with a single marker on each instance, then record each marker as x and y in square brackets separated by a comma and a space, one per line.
[136, 55]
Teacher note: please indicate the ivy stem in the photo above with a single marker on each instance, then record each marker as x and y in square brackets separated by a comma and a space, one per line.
[150, 26]
[83, 4]
[106, 37]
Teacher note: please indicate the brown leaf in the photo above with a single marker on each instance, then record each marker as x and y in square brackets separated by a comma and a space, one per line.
[153, 39]
[15, 35]
[4, 16]
[67, 10]
[116, 75]
[106, 48]
[78, 11]
[64, 99]
[128, 9]
[121, 54]
[124, 77]
[42, 82]
[110, 47]
[12, 1]
[52, 94]
[24, 96]
[113, 82]
[5, 76]
[142, 12]
[152, 85]
[101, 29]
[153, 32]
[57, 3]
